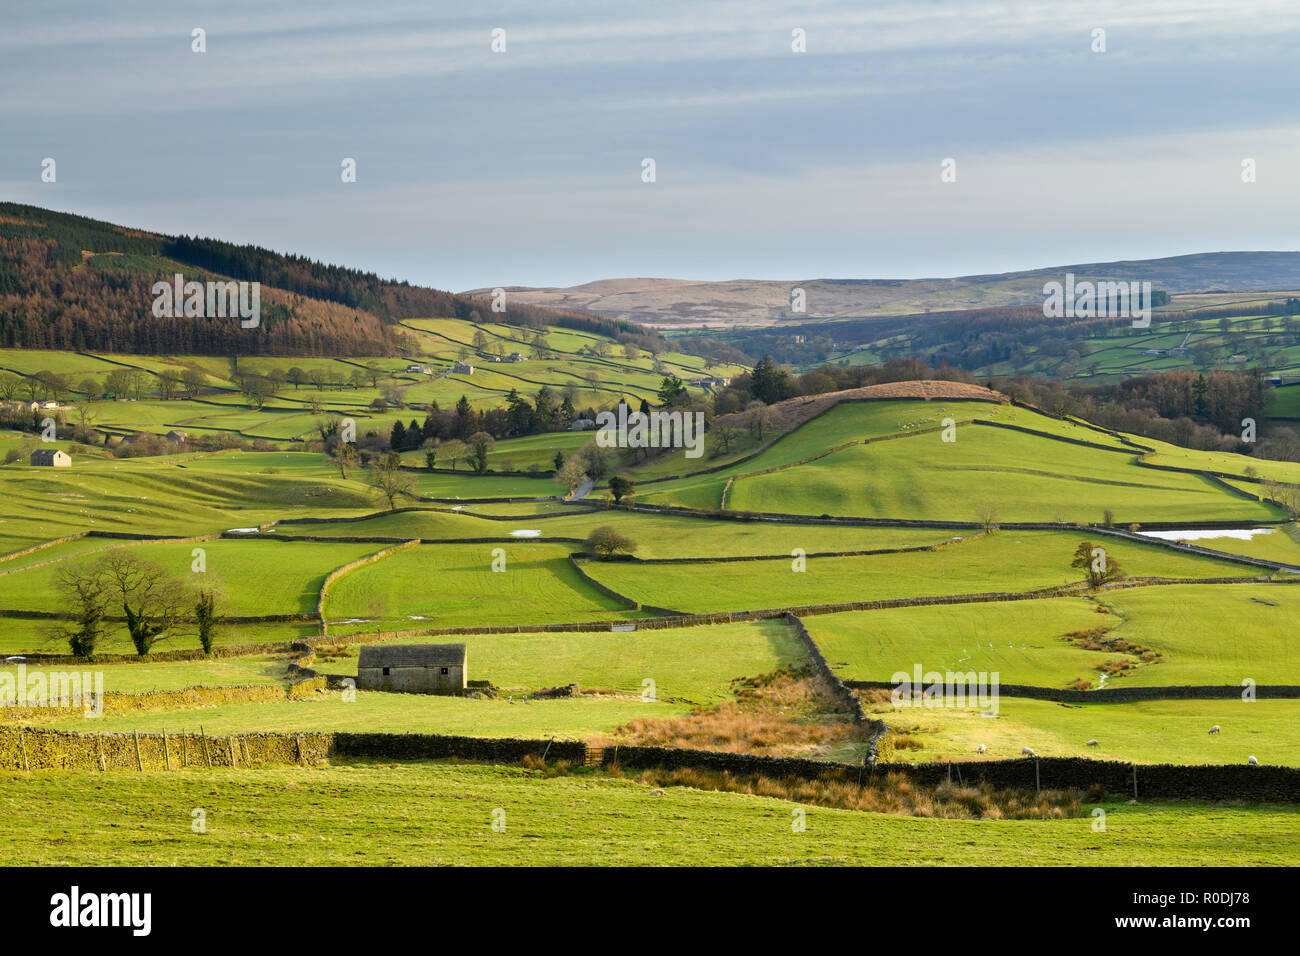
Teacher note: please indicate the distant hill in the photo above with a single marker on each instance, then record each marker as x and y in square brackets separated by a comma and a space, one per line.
[682, 304]
[73, 283]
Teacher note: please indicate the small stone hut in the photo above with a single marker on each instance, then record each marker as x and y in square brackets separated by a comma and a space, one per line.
[412, 668]
[51, 457]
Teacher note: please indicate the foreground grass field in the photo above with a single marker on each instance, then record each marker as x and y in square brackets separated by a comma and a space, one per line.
[429, 814]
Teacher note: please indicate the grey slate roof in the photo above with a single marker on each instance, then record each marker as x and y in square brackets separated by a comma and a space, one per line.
[411, 655]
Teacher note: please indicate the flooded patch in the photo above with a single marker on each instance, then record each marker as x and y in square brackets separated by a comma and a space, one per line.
[1240, 534]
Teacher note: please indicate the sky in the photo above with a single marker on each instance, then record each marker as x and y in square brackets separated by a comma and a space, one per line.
[477, 168]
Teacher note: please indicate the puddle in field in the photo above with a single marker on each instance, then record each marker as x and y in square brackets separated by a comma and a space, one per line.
[1240, 534]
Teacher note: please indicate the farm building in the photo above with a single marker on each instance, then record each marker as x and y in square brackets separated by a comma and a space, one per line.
[412, 668]
[582, 425]
[177, 435]
[421, 369]
[51, 457]
[463, 368]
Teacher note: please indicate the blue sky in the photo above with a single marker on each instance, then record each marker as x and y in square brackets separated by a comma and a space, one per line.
[477, 168]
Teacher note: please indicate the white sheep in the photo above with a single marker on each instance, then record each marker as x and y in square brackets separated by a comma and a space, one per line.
[981, 749]
[1252, 761]
[1214, 729]
[1092, 743]
[1028, 751]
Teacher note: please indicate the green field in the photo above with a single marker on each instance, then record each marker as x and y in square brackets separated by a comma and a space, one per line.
[656, 535]
[1025, 643]
[455, 585]
[1163, 731]
[329, 816]
[1005, 561]
[256, 577]
[687, 665]
[1024, 477]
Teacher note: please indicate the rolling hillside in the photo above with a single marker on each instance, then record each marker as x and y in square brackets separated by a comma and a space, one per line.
[72, 283]
[684, 304]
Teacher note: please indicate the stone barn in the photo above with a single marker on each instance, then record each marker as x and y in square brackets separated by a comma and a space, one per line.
[51, 457]
[412, 668]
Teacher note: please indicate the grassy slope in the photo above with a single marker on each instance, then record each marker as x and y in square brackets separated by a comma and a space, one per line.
[657, 536]
[268, 817]
[1162, 731]
[1023, 642]
[139, 678]
[1006, 561]
[255, 577]
[1027, 478]
[1020, 641]
[572, 718]
[454, 585]
[692, 665]
[1186, 624]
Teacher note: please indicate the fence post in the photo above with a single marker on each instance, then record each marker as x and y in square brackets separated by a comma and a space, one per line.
[1135, 781]
[22, 745]
[206, 754]
[139, 764]
[99, 744]
[1037, 781]
[167, 753]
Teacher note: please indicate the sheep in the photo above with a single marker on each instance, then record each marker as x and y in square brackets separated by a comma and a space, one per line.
[981, 749]
[1214, 729]
[1028, 751]
[1252, 761]
[1092, 743]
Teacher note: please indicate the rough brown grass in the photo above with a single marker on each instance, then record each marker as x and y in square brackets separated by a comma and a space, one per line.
[785, 713]
[892, 793]
[1095, 639]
